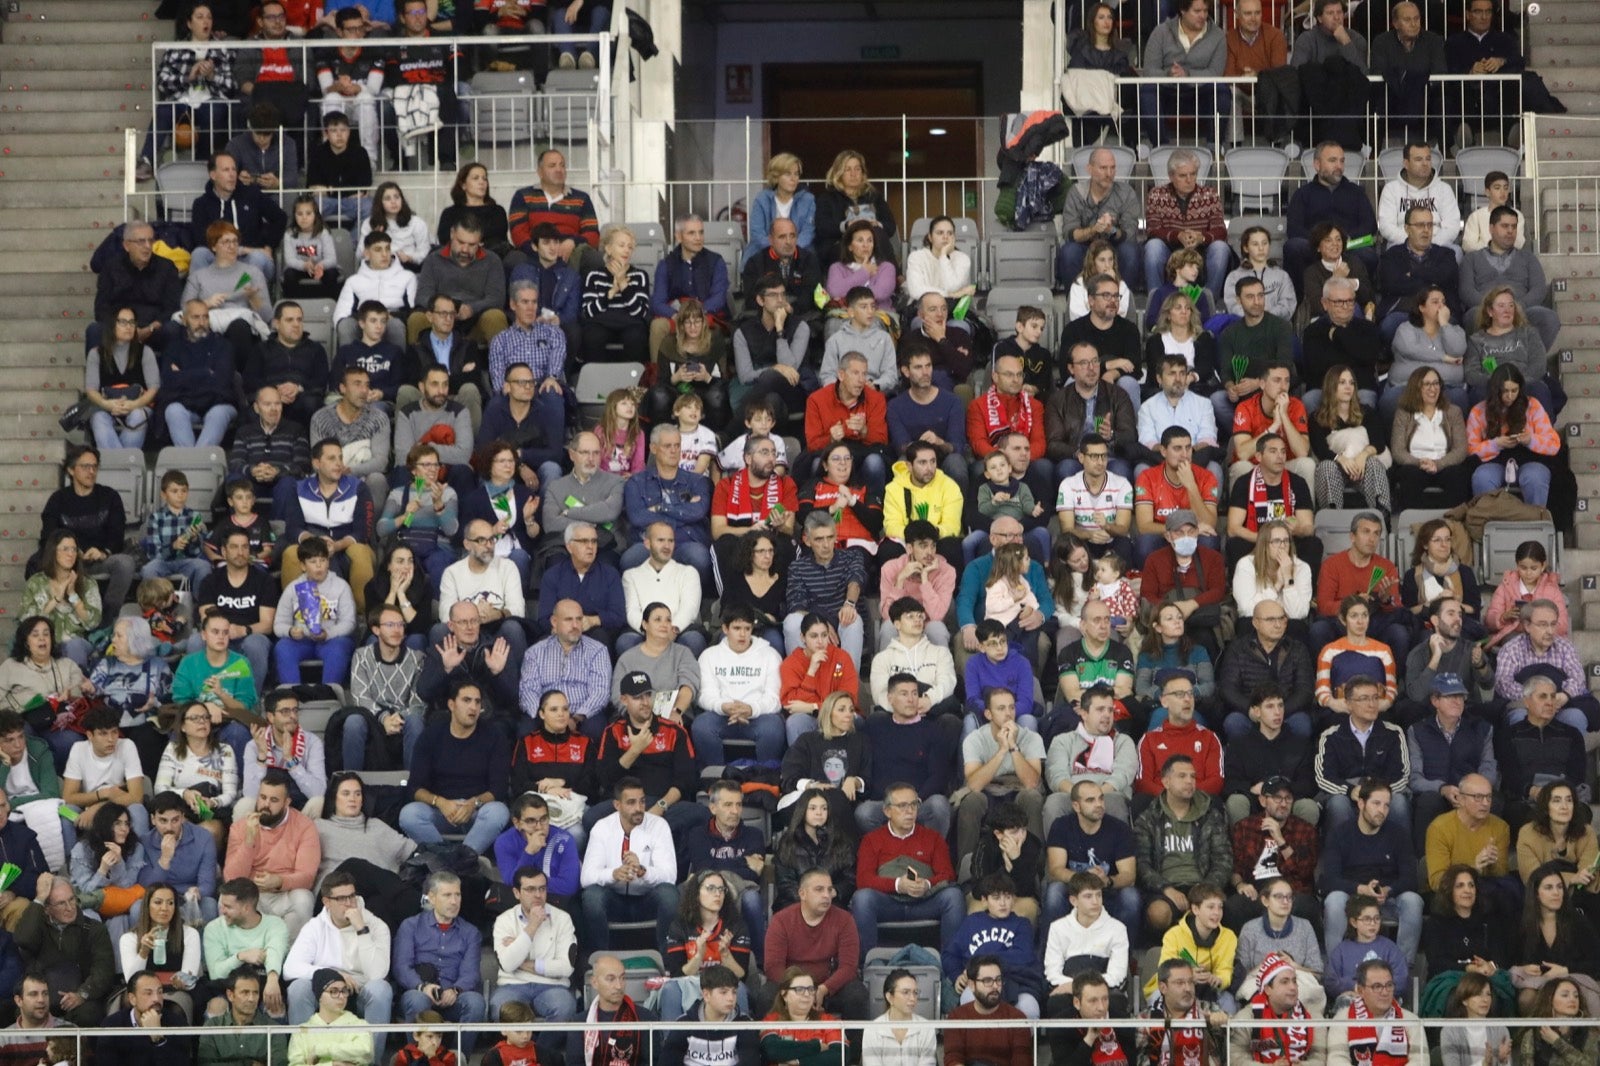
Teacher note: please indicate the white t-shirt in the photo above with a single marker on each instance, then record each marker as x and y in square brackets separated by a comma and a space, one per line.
[701, 442]
[115, 771]
[1094, 509]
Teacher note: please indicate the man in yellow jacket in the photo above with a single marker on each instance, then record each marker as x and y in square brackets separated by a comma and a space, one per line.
[919, 489]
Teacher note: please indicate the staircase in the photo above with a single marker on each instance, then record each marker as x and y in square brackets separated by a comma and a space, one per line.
[73, 75]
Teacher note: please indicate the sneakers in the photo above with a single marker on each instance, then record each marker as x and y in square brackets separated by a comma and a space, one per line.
[567, 61]
[145, 171]
[586, 61]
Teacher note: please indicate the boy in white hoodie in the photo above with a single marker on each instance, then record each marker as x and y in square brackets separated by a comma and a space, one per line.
[739, 686]
[1087, 938]
[380, 278]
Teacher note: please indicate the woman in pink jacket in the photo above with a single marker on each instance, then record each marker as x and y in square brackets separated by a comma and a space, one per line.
[1531, 579]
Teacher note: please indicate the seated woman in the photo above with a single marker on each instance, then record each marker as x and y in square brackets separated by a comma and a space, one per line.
[506, 502]
[1531, 579]
[1167, 646]
[1274, 572]
[1555, 941]
[1510, 432]
[1428, 442]
[1346, 446]
[367, 848]
[821, 836]
[1255, 247]
[1427, 339]
[1558, 831]
[234, 292]
[1461, 936]
[105, 865]
[1178, 331]
[36, 668]
[196, 84]
[693, 358]
[402, 585]
[812, 672]
[422, 514]
[201, 769]
[861, 262]
[1502, 337]
[939, 266]
[1100, 259]
[615, 307]
[756, 581]
[834, 757]
[1436, 572]
[853, 495]
[811, 1044]
[162, 943]
[121, 378]
[1183, 274]
[1473, 1045]
[1331, 262]
[784, 197]
[1353, 655]
[64, 594]
[1363, 939]
[1560, 1043]
[707, 930]
[848, 195]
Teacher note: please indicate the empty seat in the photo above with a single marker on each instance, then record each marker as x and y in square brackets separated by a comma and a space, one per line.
[123, 469]
[1277, 228]
[726, 238]
[502, 107]
[179, 184]
[596, 380]
[650, 244]
[1255, 177]
[1391, 161]
[1000, 308]
[876, 970]
[569, 101]
[1473, 164]
[1500, 542]
[1022, 258]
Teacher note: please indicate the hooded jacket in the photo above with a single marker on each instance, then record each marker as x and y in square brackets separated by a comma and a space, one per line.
[932, 665]
[260, 220]
[1206, 828]
[395, 288]
[1399, 196]
[939, 501]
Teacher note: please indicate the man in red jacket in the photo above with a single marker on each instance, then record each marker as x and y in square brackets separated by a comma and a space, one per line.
[1004, 409]
[1180, 734]
[903, 873]
[851, 411]
[1187, 573]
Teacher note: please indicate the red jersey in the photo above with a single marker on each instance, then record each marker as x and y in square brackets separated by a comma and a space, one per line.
[744, 504]
[1249, 418]
[1165, 497]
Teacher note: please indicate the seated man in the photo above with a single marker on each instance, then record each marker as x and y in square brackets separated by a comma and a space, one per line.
[1185, 214]
[1035, 623]
[1258, 340]
[54, 936]
[1087, 405]
[1190, 574]
[568, 660]
[1266, 653]
[1271, 1011]
[660, 579]
[828, 584]
[267, 449]
[145, 1012]
[458, 778]
[1539, 749]
[1180, 841]
[1273, 844]
[1093, 753]
[687, 271]
[935, 331]
[725, 842]
[241, 940]
[347, 937]
[930, 414]
[1268, 752]
[1188, 45]
[1329, 197]
[587, 580]
[197, 377]
[138, 280]
[1370, 855]
[821, 939]
[1419, 185]
[380, 279]
[1271, 493]
[256, 215]
[1473, 836]
[441, 346]
[433, 420]
[663, 764]
[1086, 841]
[1444, 748]
[1357, 748]
[851, 411]
[1538, 647]
[181, 854]
[104, 768]
[910, 745]
[491, 585]
[1094, 659]
[1178, 484]
[1101, 209]
[1375, 1000]
[1503, 261]
[331, 504]
[362, 428]
[1329, 38]
[1007, 409]
[551, 200]
[915, 646]
[1406, 57]
[1088, 942]
[757, 497]
[613, 1047]
[1271, 412]
[437, 957]
[1341, 337]
[282, 744]
[1001, 762]
[1177, 730]
[471, 275]
[922, 497]
[903, 873]
[795, 267]
[1095, 504]
[1114, 337]
[535, 944]
[277, 848]
[630, 868]
[1361, 571]
[95, 515]
[246, 596]
[663, 492]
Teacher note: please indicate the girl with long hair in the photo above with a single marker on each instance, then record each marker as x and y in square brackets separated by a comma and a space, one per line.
[1560, 1043]
[407, 230]
[1071, 578]
[310, 258]
[162, 943]
[1101, 258]
[1475, 1045]
[1007, 592]
[1511, 434]
[106, 862]
[1274, 572]
[821, 836]
[1554, 941]
[621, 433]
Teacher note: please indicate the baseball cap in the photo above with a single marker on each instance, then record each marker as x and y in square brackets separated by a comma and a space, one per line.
[1180, 518]
[637, 683]
[1448, 685]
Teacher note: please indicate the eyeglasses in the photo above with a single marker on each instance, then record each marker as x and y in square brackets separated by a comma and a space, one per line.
[346, 899]
[336, 990]
[536, 819]
[904, 805]
[1181, 693]
[584, 540]
[478, 540]
[1381, 986]
[446, 313]
[802, 990]
[1113, 295]
[715, 890]
[988, 982]
[1347, 302]
[1476, 797]
[194, 719]
[519, 381]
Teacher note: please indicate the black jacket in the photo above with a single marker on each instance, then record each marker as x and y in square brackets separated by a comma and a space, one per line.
[140, 1050]
[1252, 758]
[154, 292]
[467, 365]
[260, 220]
[1245, 665]
[306, 365]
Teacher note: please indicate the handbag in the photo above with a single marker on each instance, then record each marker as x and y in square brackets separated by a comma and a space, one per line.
[76, 416]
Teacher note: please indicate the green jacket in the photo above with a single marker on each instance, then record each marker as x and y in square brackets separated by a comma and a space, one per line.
[84, 944]
[240, 1049]
[1206, 825]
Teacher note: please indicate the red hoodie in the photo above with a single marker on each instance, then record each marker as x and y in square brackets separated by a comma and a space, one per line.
[1193, 740]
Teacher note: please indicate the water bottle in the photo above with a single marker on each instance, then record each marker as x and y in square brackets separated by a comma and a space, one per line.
[158, 953]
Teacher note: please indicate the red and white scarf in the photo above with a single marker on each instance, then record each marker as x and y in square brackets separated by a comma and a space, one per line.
[1387, 1045]
[1183, 1042]
[1259, 502]
[1098, 754]
[996, 421]
[1277, 1042]
[294, 756]
[741, 497]
[622, 1045]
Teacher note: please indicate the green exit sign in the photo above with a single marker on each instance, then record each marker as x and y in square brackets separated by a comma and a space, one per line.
[880, 51]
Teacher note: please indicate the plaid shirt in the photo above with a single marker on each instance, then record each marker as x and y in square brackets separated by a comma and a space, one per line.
[584, 675]
[1249, 844]
[1518, 653]
[542, 346]
[163, 527]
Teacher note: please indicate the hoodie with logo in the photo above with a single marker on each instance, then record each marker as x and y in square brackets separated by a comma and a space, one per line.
[698, 1044]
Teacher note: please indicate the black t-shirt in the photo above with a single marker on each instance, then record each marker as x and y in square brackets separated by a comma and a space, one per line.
[1038, 367]
[1271, 507]
[1101, 851]
[241, 606]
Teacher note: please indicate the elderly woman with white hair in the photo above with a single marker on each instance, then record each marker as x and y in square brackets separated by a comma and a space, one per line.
[615, 303]
[136, 681]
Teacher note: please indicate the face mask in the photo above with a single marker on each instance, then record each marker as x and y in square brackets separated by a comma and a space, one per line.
[1185, 546]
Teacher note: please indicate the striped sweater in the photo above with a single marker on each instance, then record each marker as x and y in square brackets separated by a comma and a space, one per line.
[633, 301]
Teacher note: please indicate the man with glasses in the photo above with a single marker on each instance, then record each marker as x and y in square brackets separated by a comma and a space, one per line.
[442, 346]
[348, 938]
[276, 74]
[139, 281]
[1096, 658]
[1035, 623]
[1009, 1045]
[1407, 269]
[588, 494]
[55, 937]
[1471, 835]
[282, 744]
[471, 275]
[1445, 747]
[755, 498]
[536, 342]
[1115, 338]
[531, 842]
[520, 417]
[1179, 731]
[1004, 409]
[493, 586]
[903, 873]
[534, 944]
[1402, 1041]
[1359, 748]
[257, 217]
[1085, 406]
[1275, 851]
[769, 347]
[383, 685]
[584, 578]
[1539, 645]
[95, 515]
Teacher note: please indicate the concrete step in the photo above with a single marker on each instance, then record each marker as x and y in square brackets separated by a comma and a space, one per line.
[104, 166]
[70, 102]
[69, 307]
[1580, 102]
[60, 144]
[129, 33]
[63, 276]
[84, 11]
[79, 242]
[109, 123]
[30, 426]
[1565, 56]
[38, 328]
[39, 193]
[1561, 80]
[36, 80]
[104, 214]
[23, 59]
[1544, 35]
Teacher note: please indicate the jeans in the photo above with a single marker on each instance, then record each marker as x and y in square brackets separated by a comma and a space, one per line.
[374, 1002]
[348, 209]
[709, 729]
[552, 1003]
[356, 731]
[426, 825]
[935, 813]
[1406, 909]
[601, 906]
[213, 425]
[127, 432]
[1217, 256]
[1071, 256]
[213, 115]
[593, 19]
[1121, 903]
[335, 653]
[468, 1007]
[194, 570]
[869, 907]
[1533, 477]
